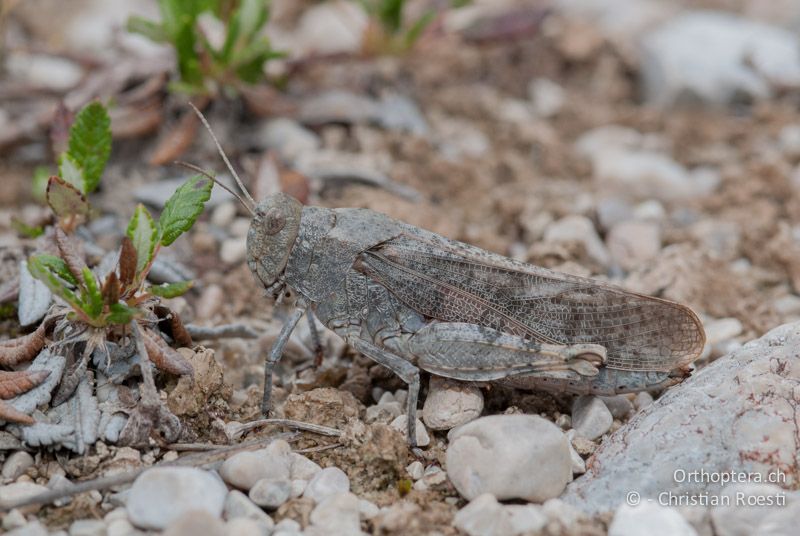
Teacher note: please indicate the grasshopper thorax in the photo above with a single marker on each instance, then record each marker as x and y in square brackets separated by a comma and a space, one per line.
[271, 236]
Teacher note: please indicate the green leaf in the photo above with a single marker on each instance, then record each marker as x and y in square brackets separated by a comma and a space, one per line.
[39, 184]
[90, 143]
[28, 231]
[417, 28]
[152, 30]
[71, 172]
[143, 232]
[182, 209]
[121, 313]
[93, 297]
[56, 265]
[250, 61]
[171, 290]
[42, 268]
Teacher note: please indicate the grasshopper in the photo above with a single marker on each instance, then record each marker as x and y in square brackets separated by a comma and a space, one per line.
[413, 300]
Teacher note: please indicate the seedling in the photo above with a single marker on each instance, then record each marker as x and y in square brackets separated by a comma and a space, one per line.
[203, 66]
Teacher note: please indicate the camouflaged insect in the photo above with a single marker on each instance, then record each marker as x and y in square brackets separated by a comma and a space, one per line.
[410, 299]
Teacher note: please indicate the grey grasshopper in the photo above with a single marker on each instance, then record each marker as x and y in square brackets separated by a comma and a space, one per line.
[413, 300]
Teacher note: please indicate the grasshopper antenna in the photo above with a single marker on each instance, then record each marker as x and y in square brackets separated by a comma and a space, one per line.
[224, 156]
[213, 179]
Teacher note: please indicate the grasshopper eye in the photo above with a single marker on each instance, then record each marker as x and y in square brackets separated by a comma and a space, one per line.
[274, 221]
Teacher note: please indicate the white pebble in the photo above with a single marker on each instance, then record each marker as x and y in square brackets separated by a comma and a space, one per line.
[328, 481]
[642, 400]
[192, 523]
[161, 495]
[233, 250]
[336, 514]
[450, 404]
[16, 464]
[242, 526]
[302, 468]
[415, 470]
[87, 527]
[270, 493]
[483, 516]
[590, 417]
[298, 487]
[22, 490]
[510, 456]
[401, 424]
[649, 518]
[244, 469]
[237, 505]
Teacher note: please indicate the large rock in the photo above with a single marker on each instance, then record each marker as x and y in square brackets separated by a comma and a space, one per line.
[737, 414]
[509, 456]
[716, 57]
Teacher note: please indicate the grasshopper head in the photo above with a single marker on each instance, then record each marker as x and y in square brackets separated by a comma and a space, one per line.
[271, 236]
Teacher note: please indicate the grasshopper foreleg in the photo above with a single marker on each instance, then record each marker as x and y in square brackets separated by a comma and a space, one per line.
[315, 340]
[407, 372]
[275, 354]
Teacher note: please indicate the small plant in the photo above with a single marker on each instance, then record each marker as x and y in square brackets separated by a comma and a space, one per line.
[388, 32]
[109, 315]
[205, 67]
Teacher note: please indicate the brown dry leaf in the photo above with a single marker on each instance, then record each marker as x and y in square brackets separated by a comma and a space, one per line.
[70, 253]
[18, 382]
[179, 138]
[136, 120]
[111, 288]
[164, 357]
[265, 101]
[8, 413]
[22, 349]
[59, 129]
[127, 263]
[179, 333]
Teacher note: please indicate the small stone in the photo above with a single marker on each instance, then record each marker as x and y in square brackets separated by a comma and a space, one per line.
[384, 412]
[547, 97]
[87, 527]
[298, 487]
[223, 215]
[367, 509]
[510, 456]
[161, 495]
[120, 527]
[564, 421]
[642, 400]
[337, 514]
[209, 302]
[244, 469]
[583, 446]
[421, 485]
[415, 470]
[16, 464]
[484, 516]
[13, 520]
[526, 518]
[302, 468]
[287, 525]
[578, 463]
[578, 229]
[401, 424]
[649, 518]
[237, 505]
[590, 417]
[633, 243]
[450, 403]
[620, 406]
[270, 493]
[34, 528]
[233, 250]
[195, 522]
[40, 70]
[288, 137]
[326, 482]
[22, 490]
[242, 526]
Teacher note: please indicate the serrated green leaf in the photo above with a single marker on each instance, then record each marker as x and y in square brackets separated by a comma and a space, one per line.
[143, 232]
[71, 172]
[171, 290]
[119, 313]
[152, 30]
[65, 199]
[93, 297]
[56, 265]
[182, 209]
[90, 143]
[39, 183]
[42, 268]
